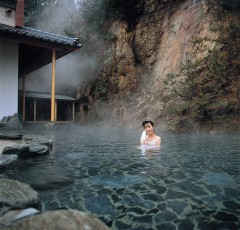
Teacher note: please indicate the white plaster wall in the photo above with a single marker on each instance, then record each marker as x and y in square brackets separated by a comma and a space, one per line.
[7, 19]
[8, 78]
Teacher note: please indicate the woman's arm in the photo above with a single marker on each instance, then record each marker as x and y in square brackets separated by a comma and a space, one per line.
[143, 137]
[159, 140]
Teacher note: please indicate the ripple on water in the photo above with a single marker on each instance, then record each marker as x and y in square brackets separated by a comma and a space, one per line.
[191, 182]
[219, 179]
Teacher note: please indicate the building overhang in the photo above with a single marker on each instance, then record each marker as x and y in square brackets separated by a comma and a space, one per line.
[35, 46]
[9, 3]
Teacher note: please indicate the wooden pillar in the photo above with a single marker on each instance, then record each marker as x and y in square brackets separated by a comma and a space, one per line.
[73, 112]
[35, 110]
[53, 85]
[23, 99]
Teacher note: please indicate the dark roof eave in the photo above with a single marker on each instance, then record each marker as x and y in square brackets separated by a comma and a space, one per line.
[39, 38]
[9, 3]
[32, 67]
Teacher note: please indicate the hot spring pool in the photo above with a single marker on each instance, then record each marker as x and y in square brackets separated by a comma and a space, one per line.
[191, 182]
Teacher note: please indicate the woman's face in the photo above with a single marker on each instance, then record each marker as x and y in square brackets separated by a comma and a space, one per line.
[148, 128]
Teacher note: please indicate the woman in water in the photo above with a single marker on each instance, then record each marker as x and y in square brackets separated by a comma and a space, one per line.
[148, 135]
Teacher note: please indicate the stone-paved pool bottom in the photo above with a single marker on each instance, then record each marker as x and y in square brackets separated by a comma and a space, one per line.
[191, 182]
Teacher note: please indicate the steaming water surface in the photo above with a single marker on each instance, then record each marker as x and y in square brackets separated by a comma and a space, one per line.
[191, 182]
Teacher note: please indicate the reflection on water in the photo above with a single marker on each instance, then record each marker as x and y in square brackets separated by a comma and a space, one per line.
[148, 150]
[190, 182]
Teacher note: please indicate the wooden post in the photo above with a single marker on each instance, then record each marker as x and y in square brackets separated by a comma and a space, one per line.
[35, 110]
[23, 99]
[73, 112]
[53, 85]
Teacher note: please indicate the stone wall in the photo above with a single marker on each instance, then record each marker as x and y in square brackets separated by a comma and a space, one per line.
[137, 63]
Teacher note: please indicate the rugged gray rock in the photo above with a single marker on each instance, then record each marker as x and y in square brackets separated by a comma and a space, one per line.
[59, 219]
[10, 122]
[7, 159]
[33, 146]
[27, 150]
[17, 195]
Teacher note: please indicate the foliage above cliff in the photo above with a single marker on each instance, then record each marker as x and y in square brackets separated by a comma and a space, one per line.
[96, 13]
[233, 5]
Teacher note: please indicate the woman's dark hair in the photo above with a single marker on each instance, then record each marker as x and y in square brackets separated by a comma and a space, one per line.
[146, 122]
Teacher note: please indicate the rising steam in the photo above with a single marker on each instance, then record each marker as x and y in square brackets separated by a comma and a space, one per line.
[73, 70]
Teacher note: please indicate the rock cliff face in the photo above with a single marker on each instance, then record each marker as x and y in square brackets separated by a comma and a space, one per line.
[138, 61]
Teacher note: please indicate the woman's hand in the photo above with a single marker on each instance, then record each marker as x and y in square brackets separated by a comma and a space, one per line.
[143, 137]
